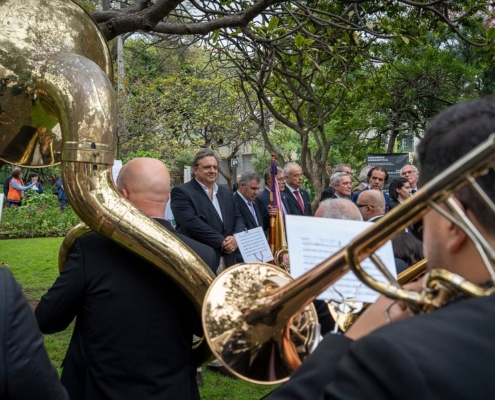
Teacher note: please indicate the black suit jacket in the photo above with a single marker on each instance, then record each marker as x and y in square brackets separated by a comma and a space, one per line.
[447, 354]
[264, 200]
[328, 193]
[247, 217]
[134, 326]
[25, 370]
[197, 218]
[294, 208]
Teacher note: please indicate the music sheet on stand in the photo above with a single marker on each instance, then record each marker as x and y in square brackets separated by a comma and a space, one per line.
[311, 240]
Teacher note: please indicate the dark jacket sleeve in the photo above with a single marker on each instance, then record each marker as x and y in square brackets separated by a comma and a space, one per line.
[190, 224]
[239, 225]
[59, 306]
[27, 371]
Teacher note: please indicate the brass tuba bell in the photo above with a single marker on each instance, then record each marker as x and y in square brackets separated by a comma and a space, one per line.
[55, 50]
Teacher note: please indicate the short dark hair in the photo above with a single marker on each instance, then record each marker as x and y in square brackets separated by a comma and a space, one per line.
[340, 167]
[16, 173]
[370, 172]
[32, 175]
[202, 154]
[396, 185]
[451, 135]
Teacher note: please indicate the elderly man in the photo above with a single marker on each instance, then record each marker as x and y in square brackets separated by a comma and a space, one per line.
[297, 198]
[341, 183]
[329, 192]
[401, 360]
[264, 196]
[410, 172]
[207, 212]
[134, 326]
[338, 209]
[371, 204]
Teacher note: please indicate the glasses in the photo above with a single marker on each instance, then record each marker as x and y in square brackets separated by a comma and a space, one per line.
[365, 205]
[408, 172]
[280, 179]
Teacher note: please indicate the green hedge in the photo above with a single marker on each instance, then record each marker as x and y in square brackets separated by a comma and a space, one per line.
[39, 216]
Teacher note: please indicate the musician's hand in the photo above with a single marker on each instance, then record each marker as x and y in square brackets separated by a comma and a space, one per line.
[375, 315]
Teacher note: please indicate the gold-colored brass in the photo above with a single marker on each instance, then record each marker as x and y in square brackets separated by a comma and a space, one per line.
[281, 257]
[346, 313]
[56, 48]
[270, 314]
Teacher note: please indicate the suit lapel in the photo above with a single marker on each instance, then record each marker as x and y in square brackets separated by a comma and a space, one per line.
[246, 209]
[208, 201]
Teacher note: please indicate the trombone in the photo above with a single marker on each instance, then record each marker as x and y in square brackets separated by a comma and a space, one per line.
[260, 323]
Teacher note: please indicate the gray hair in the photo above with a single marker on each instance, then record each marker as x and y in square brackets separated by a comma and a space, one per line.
[340, 167]
[363, 175]
[266, 173]
[335, 178]
[202, 154]
[409, 165]
[339, 209]
[248, 176]
[287, 168]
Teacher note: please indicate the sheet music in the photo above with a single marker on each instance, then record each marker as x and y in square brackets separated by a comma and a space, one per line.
[253, 245]
[312, 240]
[117, 166]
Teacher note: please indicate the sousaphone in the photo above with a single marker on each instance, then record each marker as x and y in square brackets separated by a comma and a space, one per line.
[55, 50]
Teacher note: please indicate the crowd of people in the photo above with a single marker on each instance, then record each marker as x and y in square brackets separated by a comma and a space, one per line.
[134, 327]
[15, 191]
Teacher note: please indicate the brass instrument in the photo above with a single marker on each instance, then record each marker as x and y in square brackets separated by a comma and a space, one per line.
[261, 337]
[281, 258]
[347, 312]
[56, 49]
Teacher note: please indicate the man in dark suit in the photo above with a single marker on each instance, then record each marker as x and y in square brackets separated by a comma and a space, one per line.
[329, 191]
[297, 198]
[134, 326]
[249, 186]
[377, 178]
[207, 212]
[25, 369]
[429, 356]
[341, 183]
[264, 196]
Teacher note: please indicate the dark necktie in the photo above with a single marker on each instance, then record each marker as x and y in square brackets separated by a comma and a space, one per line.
[413, 191]
[299, 200]
[251, 207]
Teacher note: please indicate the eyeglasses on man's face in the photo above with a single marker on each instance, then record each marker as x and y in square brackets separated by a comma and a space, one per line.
[364, 205]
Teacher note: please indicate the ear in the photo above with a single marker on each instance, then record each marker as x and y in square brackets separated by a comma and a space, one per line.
[125, 193]
[456, 237]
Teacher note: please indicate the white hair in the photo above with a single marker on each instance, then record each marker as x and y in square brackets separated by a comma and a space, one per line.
[339, 209]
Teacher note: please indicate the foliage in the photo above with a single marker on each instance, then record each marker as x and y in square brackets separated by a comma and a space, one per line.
[34, 265]
[39, 216]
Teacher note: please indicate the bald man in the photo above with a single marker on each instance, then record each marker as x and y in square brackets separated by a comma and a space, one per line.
[338, 209]
[371, 204]
[133, 332]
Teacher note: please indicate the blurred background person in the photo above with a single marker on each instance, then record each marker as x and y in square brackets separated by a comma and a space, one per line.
[37, 187]
[399, 191]
[16, 189]
[408, 248]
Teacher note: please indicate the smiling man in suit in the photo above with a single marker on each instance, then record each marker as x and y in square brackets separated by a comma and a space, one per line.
[207, 212]
[297, 198]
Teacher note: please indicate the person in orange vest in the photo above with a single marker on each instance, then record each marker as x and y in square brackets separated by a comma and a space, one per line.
[16, 189]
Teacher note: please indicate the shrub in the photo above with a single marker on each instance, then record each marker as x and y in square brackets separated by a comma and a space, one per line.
[39, 216]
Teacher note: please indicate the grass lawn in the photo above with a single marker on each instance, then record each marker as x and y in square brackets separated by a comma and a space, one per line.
[34, 264]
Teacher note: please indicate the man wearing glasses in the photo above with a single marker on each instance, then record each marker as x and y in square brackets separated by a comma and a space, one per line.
[371, 204]
[410, 172]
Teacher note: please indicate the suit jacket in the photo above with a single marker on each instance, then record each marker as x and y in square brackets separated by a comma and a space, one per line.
[247, 217]
[264, 200]
[25, 369]
[386, 195]
[197, 218]
[294, 208]
[447, 354]
[328, 193]
[134, 326]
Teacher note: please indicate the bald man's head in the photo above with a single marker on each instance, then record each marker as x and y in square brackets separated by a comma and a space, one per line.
[371, 203]
[145, 182]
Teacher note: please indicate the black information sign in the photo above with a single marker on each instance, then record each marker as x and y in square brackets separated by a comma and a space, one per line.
[391, 162]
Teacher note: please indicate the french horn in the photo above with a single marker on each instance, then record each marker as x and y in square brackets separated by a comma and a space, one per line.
[57, 50]
[255, 330]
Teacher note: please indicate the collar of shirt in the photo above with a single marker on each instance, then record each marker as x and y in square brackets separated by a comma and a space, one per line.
[243, 198]
[292, 190]
[205, 188]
